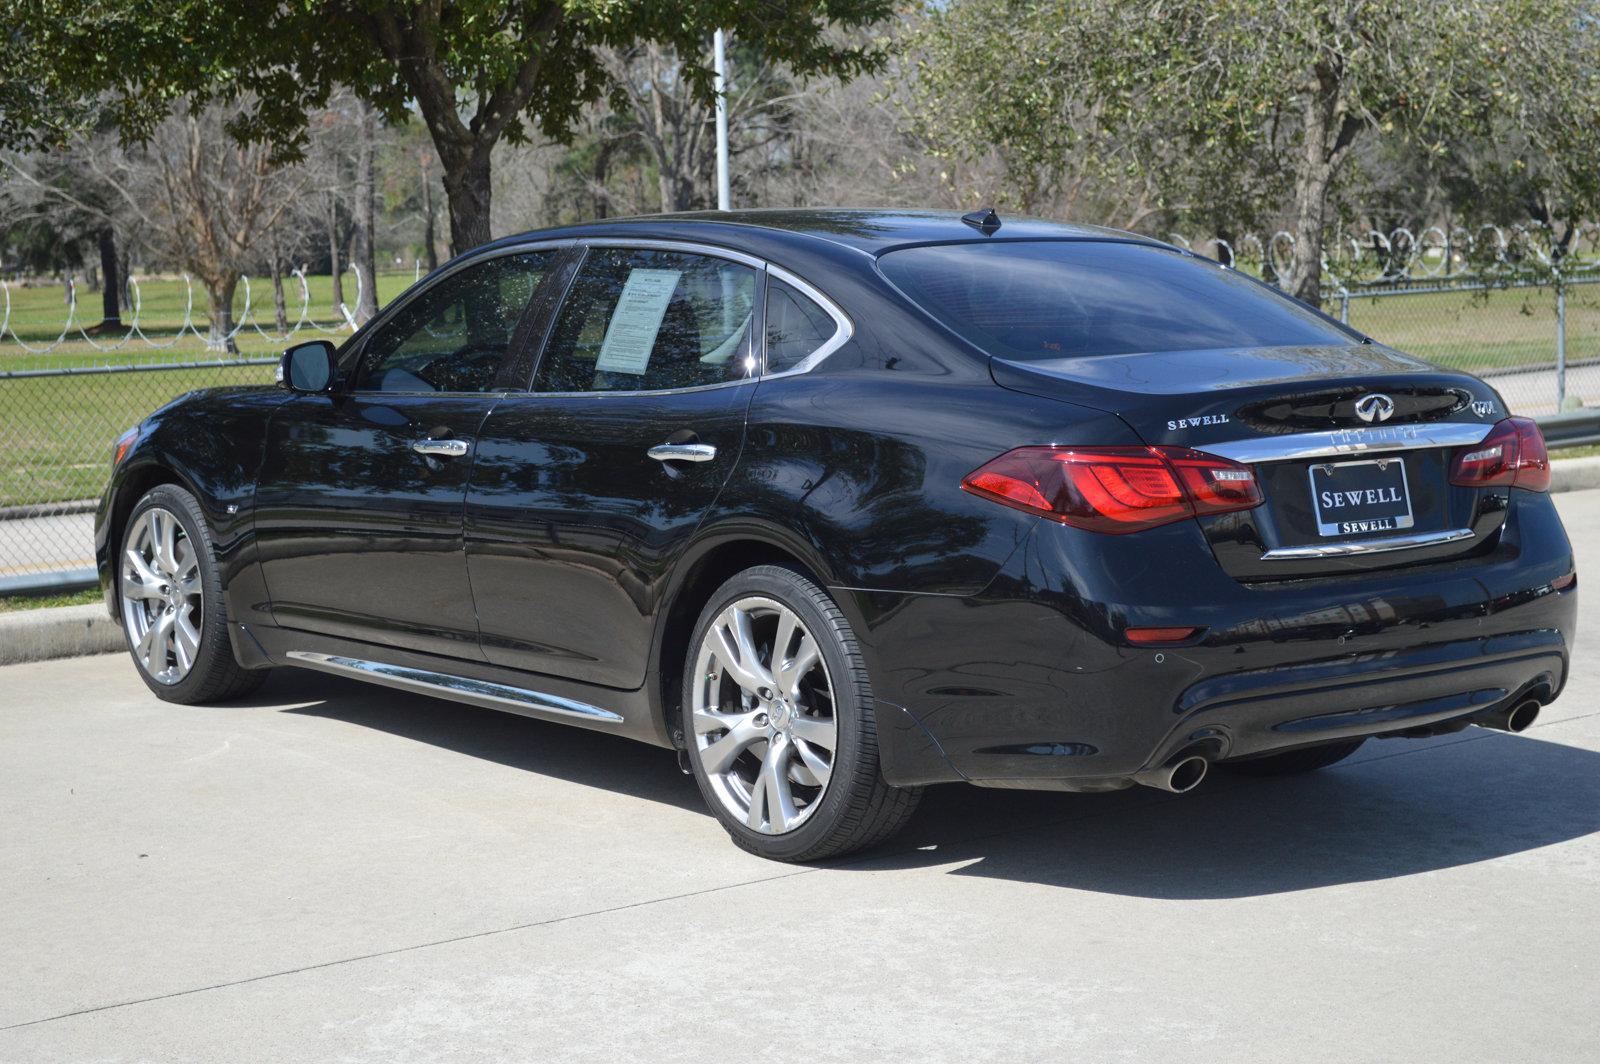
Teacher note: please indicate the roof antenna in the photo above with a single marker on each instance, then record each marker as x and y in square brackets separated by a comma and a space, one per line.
[984, 220]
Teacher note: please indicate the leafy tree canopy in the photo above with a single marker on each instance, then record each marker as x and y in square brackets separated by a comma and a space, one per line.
[478, 71]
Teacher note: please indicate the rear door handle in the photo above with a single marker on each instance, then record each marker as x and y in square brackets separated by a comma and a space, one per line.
[682, 452]
[442, 448]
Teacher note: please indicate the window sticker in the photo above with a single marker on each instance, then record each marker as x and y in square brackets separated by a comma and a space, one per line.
[631, 333]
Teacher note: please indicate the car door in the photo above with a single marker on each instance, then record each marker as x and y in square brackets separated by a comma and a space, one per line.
[587, 486]
[361, 495]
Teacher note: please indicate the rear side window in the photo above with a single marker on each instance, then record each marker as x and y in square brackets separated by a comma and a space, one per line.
[796, 327]
[1038, 300]
[638, 320]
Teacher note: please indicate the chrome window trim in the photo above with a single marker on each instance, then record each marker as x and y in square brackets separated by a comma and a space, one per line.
[844, 327]
[688, 247]
[1348, 441]
[457, 688]
[1367, 546]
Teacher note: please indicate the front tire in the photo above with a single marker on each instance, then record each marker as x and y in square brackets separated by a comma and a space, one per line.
[778, 720]
[173, 613]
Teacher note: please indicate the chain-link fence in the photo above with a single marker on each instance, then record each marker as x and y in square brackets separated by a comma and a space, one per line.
[67, 393]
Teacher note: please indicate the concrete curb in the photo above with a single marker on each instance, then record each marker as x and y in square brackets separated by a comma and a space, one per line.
[57, 632]
[1575, 474]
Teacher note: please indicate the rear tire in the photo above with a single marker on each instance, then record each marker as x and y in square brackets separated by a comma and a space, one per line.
[774, 677]
[170, 594]
[1294, 762]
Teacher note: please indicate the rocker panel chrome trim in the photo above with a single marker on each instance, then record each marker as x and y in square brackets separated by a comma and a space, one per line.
[457, 688]
[1349, 441]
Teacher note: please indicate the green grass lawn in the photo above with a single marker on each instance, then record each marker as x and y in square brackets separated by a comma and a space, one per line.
[1478, 332]
[57, 432]
[38, 314]
[13, 603]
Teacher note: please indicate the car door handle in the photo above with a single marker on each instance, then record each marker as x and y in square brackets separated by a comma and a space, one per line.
[442, 448]
[682, 452]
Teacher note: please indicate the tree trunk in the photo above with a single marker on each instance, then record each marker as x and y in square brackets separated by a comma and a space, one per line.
[333, 258]
[280, 308]
[1304, 280]
[125, 277]
[363, 254]
[467, 190]
[110, 292]
[219, 300]
[430, 239]
[1330, 129]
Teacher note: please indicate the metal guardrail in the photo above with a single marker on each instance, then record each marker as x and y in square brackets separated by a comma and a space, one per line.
[1578, 428]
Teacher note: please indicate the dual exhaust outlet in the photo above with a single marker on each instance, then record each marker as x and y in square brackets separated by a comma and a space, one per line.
[1183, 772]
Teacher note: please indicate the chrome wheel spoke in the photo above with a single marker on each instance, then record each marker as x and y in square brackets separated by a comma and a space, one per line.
[793, 669]
[719, 755]
[187, 641]
[818, 767]
[771, 800]
[164, 534]
[815, 732]
[141, 569]
[737, 652]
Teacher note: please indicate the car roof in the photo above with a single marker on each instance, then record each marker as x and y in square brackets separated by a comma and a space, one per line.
[872, 231]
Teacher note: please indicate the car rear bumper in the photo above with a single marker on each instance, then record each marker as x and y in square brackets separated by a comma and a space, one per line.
[1033, 684]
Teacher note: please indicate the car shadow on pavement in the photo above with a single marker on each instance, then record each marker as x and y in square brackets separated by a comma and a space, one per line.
[593, 759]
[1472, 797]
[1399, 808]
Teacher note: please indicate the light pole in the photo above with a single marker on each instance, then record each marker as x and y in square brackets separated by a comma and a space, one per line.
[720, 56]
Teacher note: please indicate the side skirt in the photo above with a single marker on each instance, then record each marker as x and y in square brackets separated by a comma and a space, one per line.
[626, 713]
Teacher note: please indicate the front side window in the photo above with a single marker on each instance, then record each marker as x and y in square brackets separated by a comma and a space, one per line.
[637, 320]
[1033, 300]
[454, 336]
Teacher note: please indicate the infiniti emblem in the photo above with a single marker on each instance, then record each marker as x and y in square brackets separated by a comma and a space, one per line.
[1375, 407]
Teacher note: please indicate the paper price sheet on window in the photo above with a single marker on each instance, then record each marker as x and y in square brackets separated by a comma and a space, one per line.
[631, 334]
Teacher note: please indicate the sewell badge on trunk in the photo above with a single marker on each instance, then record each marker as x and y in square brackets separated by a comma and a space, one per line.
[1351, 498]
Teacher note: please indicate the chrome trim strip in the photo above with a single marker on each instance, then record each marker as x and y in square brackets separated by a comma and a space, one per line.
[846, 328]
[458, 688]
[686, 246]
[1367, 546]
[1349, 441]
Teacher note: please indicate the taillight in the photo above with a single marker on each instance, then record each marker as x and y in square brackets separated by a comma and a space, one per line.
[1115, 489]
[1512, 455]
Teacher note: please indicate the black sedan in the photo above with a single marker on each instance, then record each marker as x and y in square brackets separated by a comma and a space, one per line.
[840, 504]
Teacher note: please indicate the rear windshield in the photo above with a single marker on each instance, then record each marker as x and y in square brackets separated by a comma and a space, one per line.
[1039, 300]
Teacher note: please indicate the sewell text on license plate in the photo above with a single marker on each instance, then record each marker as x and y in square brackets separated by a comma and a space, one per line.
[1352, 498]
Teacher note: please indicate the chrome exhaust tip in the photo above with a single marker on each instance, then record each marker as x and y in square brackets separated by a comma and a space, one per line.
[1517, 718]
[1180, 775]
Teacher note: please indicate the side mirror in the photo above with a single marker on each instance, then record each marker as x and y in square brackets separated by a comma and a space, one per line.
[307, 367]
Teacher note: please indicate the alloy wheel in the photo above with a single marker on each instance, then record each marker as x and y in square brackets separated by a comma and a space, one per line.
[763, 716]
[161, 595]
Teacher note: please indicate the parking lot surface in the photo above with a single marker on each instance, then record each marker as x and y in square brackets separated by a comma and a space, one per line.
[334, 872]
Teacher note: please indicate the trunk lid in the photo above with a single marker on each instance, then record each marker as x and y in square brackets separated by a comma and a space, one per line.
[1344, 492]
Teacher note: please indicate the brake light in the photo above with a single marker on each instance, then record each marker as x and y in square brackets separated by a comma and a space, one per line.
[1115, 489]
[1512, 455]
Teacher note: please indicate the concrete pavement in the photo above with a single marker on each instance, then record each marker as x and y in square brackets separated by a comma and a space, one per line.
[333, 872]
